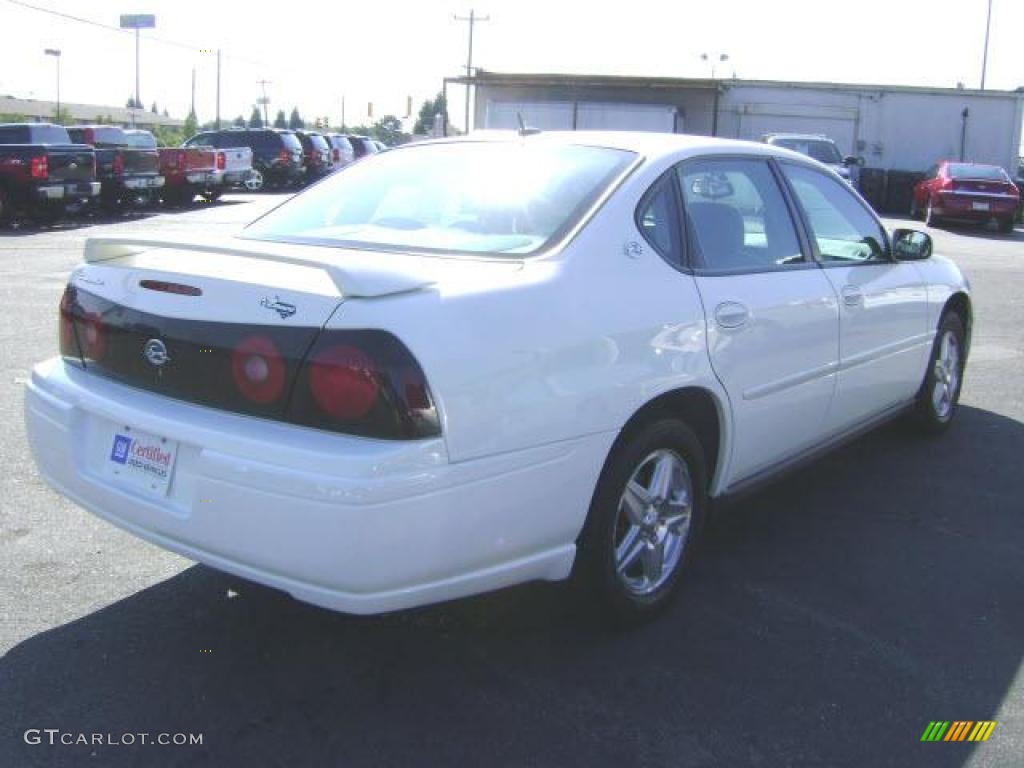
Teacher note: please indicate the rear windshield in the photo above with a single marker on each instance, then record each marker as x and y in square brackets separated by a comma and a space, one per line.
[340, 142]
[36, 134]
[291, 141]
[102, 136]
[979, 172]
[319, 142]
[140, 139]
[822, 150]
[486, 198]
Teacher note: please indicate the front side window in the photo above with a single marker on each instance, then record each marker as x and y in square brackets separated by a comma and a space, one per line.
[737, 215]
[841, 226]
[473, 197]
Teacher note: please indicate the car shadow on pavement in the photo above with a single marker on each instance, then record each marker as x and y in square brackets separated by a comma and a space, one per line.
[830, 619]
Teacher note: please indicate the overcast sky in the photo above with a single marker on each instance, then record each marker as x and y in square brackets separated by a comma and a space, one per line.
[386, 50]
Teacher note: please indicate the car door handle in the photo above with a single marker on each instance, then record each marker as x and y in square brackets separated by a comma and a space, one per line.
[852, 296]
[731, 314]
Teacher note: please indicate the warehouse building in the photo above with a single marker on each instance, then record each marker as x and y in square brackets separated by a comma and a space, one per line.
[33, 110]
[892, 128]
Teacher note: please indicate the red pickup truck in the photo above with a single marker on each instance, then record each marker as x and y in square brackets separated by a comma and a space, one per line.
[187, 171]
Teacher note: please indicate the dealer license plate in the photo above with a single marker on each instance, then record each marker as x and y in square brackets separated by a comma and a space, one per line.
[140, 461]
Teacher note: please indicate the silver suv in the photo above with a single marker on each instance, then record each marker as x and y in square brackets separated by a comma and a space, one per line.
[817, 146]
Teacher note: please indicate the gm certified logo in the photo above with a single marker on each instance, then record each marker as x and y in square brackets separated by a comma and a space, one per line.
[155, 351]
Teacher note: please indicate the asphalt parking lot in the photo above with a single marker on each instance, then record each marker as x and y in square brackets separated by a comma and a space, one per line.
[831, 617]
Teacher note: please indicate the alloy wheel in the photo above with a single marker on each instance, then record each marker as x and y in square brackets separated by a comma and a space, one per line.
[653, 522]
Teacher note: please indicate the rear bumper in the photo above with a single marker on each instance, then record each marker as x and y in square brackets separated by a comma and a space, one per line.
[237, 178]
[61, 191]
[355, 525]
[975, 207]
[141, 183]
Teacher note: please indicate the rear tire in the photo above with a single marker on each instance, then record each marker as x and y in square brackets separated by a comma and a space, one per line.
[915, 209]
[930, 219]
[1006, 225]
[939, 396]
[644, 521]
[5, 209]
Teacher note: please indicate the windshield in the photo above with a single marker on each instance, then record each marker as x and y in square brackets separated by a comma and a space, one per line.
[822, 150]
[488, 198]
[978, 172]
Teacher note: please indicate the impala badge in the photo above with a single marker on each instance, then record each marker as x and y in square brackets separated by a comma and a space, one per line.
[283, 308]
[155, 351]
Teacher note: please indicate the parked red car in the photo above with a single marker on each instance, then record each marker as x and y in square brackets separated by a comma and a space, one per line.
[967, 191]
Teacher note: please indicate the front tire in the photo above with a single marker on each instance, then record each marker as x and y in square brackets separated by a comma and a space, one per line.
[1006, 225]
[939, 396]
[644, 520]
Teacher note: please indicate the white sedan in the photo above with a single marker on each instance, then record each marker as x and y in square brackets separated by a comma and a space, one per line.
[467, 364]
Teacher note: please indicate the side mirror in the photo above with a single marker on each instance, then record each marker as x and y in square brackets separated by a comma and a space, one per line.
[850, 160]
[911, 245]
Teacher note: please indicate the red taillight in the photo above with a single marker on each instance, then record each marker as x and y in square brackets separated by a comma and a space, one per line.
[66, 328]
[117, 166]
[258, 369]
[222, 161]
[337, 155]
[92, 337]
[363, 382]
[40, 167]
[343, 382]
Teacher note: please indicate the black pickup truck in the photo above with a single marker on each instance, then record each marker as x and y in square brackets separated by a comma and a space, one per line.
[128, 174]
[42, 172]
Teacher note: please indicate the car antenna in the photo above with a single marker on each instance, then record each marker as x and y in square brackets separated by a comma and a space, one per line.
[524, 129]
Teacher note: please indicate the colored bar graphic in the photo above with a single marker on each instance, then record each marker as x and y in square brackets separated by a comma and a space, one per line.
[958, 730]
[935, 730]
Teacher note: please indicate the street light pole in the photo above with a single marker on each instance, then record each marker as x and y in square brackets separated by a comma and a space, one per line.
[55, 52]
[722, 57]
[984, 58]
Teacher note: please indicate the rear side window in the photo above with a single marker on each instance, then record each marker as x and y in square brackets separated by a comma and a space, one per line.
[840, 225]
[737, 216]
[658, 220]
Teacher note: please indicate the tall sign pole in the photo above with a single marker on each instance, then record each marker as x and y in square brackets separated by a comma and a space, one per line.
[473, 19]
[137, 21]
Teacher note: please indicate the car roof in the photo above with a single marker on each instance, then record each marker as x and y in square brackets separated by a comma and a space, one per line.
[650, 144]
[818, 136]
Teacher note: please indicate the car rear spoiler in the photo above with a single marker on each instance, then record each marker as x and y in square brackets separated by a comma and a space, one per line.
[354, 273]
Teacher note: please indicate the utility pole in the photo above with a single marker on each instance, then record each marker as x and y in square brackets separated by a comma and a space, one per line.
[984, 59]
[344, 125]
[264, 101]
[192, 111]
[472, 19]
[218, 90]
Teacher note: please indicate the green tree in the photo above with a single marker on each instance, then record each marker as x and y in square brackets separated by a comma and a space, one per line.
[12, 117]
[295, 122]
[63, 117]
[430, 107]
[132, 103]
[255, 121]
[239, 122]
[154, 110]
[191, 126]
[280, 121]
[167, 136]
[389, 130]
